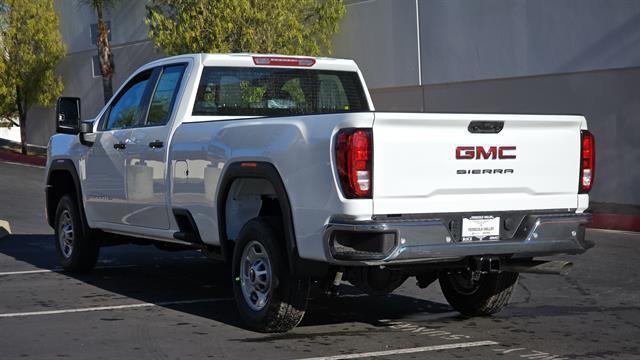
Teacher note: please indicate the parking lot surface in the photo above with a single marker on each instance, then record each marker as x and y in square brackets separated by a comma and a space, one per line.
[144, 303]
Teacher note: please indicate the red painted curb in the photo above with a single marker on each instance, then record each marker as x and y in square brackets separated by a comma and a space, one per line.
[616, 222]
[7, 155]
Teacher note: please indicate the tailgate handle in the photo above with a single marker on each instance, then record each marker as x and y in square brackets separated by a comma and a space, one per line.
[485, 127]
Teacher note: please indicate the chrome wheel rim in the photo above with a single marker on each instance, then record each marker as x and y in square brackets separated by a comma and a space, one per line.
[255, 276]
[65, 234]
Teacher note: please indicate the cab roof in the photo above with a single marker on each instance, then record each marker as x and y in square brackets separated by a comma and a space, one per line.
[266, 60]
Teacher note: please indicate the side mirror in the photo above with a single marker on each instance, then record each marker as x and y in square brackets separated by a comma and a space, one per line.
[68, 115]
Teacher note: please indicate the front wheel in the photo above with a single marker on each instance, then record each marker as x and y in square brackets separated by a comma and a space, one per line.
[485, 296]
[268, 298]
[77, 251]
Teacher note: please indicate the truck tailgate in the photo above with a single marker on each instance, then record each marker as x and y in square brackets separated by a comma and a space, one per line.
[434, 163]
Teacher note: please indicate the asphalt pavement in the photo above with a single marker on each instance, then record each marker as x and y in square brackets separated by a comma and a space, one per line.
[144, 303]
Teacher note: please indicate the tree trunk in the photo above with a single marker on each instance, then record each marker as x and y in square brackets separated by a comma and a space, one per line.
[107, 89]
[105, 55]
[23, 133]
[22, 114]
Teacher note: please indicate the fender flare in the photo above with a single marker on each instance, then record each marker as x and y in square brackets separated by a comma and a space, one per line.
[256, 170]
[67, 166]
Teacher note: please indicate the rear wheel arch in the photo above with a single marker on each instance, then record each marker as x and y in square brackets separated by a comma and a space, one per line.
[264, 171]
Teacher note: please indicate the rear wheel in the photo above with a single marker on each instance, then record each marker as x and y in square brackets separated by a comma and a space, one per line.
[269, 299]
[76, 250]
[485, 296]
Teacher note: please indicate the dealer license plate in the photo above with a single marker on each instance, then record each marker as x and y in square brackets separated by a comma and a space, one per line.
[481, 228]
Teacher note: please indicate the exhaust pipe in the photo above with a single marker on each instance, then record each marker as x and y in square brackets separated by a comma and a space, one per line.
[538, 267]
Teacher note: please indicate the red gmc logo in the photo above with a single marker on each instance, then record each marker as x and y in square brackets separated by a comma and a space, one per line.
[480, 152]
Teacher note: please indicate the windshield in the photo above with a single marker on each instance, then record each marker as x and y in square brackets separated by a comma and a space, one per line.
[277, 91]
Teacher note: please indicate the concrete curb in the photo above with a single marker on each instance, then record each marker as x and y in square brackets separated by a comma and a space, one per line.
[5, 228]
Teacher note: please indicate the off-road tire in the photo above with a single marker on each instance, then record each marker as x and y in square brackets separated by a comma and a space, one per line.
[491, 295]
[287, 302]
[85, 249]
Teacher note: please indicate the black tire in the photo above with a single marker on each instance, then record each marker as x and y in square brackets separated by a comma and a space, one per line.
[490, 294]
[81, 254]
[286, 301]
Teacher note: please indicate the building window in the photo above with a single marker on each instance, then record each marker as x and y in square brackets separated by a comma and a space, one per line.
[94, 32]
[95, 65]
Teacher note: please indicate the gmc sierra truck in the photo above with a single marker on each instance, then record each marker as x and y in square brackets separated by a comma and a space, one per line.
[280, 166]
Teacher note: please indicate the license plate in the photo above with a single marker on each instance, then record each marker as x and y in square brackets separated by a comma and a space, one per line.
[481, 228]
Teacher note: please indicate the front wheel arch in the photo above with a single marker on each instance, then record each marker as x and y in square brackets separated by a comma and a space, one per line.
[62, 179]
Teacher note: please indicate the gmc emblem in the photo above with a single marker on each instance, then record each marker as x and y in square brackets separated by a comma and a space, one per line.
[480, 152]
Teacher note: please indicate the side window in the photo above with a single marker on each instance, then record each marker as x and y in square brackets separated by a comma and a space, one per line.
[126, 109]
[164, 96]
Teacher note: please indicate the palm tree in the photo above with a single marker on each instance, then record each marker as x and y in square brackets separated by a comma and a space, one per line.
[104, 48]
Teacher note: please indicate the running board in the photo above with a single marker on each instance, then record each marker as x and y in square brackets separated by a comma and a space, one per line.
[188, 230]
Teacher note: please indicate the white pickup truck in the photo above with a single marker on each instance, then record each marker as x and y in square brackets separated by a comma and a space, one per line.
[281, 167]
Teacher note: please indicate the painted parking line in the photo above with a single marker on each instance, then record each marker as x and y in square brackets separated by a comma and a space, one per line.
[405, 351]
[21, 164]
[57, 270]
[114, 307]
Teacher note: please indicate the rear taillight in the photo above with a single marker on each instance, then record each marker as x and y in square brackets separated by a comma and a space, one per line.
[587, 161]
[354, 157]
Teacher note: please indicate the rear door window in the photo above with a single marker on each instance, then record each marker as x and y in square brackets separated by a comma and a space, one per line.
[277, 91]
[164, 95]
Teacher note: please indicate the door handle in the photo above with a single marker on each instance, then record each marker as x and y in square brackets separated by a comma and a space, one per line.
[156, 144]
[119, 146]
[485, 127]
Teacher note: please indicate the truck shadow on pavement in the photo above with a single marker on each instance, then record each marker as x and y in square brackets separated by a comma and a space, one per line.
[129, 274]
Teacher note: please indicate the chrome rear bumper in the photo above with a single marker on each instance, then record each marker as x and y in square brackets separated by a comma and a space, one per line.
[430, 240]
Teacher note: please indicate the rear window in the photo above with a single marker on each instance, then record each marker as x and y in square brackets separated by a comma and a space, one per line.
[277, 91]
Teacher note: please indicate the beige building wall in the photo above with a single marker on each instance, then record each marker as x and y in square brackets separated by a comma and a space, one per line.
[510, 56]
[130, 45]
[504, 56]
